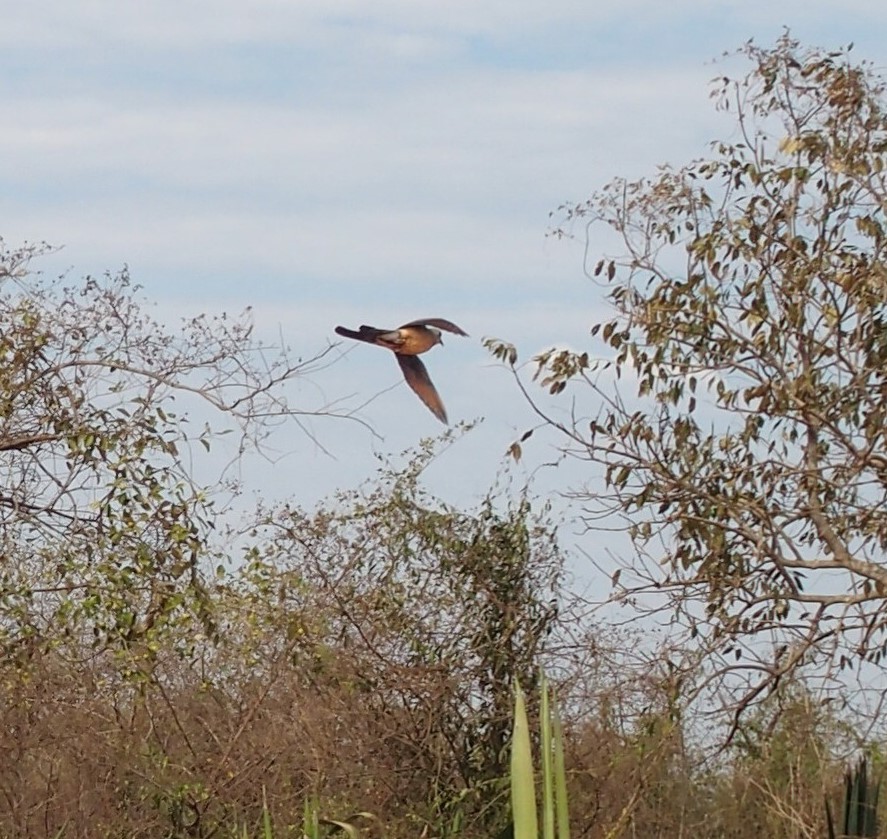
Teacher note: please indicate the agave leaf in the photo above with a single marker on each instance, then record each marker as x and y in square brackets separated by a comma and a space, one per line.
[547, 768]
[560, 773]
[267, 831]
[310, 823]
[348, 824]
[349, 828]
[523, 794]
[860, 805]
[829, 821]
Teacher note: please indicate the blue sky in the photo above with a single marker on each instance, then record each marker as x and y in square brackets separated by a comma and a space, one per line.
[354, 162]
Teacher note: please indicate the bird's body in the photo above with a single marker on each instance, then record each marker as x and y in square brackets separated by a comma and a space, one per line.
[407, 342]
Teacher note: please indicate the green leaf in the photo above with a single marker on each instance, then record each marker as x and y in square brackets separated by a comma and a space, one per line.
[523, 793]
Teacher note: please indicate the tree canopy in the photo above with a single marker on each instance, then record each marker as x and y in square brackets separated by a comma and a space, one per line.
[101, 409]
[738, 409]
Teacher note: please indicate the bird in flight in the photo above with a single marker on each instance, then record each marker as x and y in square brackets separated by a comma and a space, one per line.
[407, 342]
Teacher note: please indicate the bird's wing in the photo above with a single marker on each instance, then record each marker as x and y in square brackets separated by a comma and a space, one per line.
[417, 378]
[440, 323]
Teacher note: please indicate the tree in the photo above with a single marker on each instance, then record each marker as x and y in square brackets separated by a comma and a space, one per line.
[103, 524]
[739, 420]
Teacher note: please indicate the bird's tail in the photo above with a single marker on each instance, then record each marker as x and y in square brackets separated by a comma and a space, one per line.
[365, 333]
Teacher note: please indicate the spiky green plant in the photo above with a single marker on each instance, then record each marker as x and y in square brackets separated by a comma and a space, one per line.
[860, 805]
[555, 811]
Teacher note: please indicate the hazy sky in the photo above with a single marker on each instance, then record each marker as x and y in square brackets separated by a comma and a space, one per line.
[336, 161]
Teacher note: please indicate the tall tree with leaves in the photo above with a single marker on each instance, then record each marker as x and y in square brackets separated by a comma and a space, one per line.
[103, 522]
[739, 403]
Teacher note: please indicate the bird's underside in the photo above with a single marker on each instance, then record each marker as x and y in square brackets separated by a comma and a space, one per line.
[407, 342]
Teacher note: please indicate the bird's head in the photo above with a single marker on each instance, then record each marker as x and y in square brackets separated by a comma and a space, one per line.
[438, 335]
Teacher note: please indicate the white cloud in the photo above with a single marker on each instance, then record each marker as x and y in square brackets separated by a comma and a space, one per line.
[335, 161]
[451, 177]
[441, 128]
[192, 23]
[404, 30]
